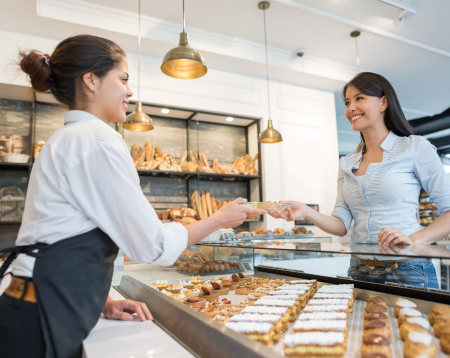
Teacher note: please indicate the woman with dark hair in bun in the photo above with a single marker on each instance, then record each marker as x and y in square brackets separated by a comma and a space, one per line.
[83, 202]
[379, 187]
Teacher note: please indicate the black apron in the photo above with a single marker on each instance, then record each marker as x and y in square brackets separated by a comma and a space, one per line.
[72, 279]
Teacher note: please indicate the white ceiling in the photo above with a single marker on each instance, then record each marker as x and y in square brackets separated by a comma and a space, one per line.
[421, 77]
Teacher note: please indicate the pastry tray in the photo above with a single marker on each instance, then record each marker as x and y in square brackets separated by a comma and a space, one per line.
[219, 273]
[355, 331]
[267, 206]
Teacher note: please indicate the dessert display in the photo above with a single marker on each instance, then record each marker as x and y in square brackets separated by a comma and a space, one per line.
[220, 290]
[403, 304]
[205, 264]
[418, 344]
[315, 344]
[375, 308]
[377, 327]
[210, 311]
[192, 292]
[208, 295]
[195, 302]
[436, 311]
[440, 323]
[378, 300]
[376, 343]
[407, 312]
[414, 324]
[445, 340]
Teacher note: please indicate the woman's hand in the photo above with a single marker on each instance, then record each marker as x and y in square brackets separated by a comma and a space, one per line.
[393, 236]
[123, 310]
[296, 211]
[233, 214]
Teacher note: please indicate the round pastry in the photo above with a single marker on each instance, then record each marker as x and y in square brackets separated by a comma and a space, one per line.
[209, 311]
[191, 293]
[263, 280]
[376, 316]
[208, 295]
[376, 308]
[445, 339]
[219, 290]
[436, 311]
[236, 279]
[414, 324]
[178, 296]
[244, 290]
[376, 343]
[230, 285]
[376, 300]
[403, 304]
[419, 343]
[224, 279]
[377, 327]
[161, 286]
[440, 323]
[242, 277]
[195, 302]
[407, 312]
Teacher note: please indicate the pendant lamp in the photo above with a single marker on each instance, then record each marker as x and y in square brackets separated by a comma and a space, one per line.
[138, 121]
[355, 34]
[270, 135]
[183, 61]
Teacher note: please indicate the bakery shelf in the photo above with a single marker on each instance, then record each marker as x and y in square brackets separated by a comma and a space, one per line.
[15, 166]
[201, 175]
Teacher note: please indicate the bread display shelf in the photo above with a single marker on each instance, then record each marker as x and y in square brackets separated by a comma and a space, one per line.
[201, 175]
[206, 329]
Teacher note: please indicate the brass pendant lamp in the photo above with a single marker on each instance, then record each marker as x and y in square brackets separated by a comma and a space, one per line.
[355, 34]
[269, 135]
[183, 61]
[138, 121]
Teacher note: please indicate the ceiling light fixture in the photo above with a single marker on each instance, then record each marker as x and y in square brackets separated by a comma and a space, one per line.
[269, 135]
[138, 121]
[355, 34]
[165, 110]
[183, 61]
[229, 119]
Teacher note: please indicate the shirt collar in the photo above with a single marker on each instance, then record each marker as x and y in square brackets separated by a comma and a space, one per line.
[389, 142]
[82, 116]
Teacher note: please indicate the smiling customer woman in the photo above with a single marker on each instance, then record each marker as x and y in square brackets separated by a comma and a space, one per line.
[379, 186]
[83, 202]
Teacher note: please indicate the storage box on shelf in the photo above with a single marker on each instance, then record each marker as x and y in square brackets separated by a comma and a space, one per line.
[313, 306]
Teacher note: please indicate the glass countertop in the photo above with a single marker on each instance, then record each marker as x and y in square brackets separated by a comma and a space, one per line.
[441, 251]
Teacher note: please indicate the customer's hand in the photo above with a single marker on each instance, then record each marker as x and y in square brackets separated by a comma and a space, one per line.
[123, 310]
[296, 211]
[233, 214]
[393, 236]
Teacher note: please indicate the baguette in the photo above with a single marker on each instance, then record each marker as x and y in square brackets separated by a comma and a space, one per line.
[204, 210]
[183, 158]
[148, 152]
[134, 152]
[214, 204]
[208, 203]
[141, 154]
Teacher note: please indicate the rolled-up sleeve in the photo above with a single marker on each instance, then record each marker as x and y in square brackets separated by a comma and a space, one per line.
[104, 187]
[341, 209]
[431, 173]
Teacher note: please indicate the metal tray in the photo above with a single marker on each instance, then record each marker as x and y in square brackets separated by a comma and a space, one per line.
[267, 206]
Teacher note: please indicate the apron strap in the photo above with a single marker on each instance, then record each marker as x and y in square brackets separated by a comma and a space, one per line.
[12, 252]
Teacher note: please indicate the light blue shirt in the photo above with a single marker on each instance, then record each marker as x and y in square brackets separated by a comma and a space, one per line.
[389, 196]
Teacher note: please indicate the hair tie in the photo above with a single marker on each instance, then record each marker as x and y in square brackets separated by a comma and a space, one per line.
[46, 59]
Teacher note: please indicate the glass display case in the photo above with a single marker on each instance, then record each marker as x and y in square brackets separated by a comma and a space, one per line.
[419, 275]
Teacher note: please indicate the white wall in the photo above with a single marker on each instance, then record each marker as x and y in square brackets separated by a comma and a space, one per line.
[303, 167]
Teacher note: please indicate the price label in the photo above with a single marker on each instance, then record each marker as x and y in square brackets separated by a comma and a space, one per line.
[270, 235]
[247, 266]
[232, 236]
[248, 236]
[289, 234]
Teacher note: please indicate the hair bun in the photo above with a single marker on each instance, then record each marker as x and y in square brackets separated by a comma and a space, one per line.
[35, 65]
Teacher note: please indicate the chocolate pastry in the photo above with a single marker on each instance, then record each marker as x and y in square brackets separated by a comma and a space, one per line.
[192, 299]
[215, 285]
[376, 299]
[235, 278]
[376, 339]
[206, 290]
[241, 275]
[374, 355]
[375, 316]
[375, 308]
[375, 324]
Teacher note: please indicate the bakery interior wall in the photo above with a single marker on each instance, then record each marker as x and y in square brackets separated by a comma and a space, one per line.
[303, 167]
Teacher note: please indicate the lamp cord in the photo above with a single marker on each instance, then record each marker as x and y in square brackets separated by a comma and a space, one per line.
[139, 53]
[267, 61]
[184, 19]
[357, 53]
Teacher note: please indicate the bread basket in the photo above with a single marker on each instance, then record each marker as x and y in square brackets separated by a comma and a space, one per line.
[15, 158]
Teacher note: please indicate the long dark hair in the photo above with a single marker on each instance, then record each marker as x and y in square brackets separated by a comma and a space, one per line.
[62, 72]
[372, 84]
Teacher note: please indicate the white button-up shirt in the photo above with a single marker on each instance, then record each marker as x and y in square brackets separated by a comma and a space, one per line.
[84, 178]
